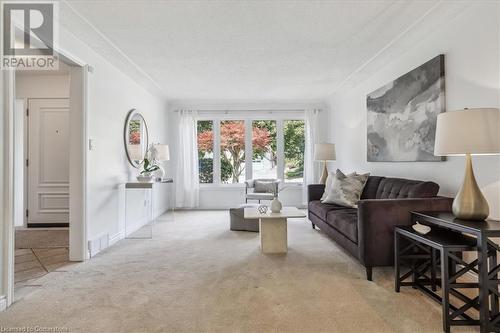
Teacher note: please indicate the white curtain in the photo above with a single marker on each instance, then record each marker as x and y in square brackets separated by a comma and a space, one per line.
[311, 129]
[187, 188]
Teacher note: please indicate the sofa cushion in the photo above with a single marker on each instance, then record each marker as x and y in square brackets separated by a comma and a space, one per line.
[397, 188]
[264, 186]
[344, 221]
[320, 209]
[371, 187]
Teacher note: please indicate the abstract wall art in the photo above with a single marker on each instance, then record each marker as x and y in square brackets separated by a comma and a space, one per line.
[401, 119]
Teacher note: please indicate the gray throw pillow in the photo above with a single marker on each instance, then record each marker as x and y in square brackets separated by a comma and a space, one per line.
[264, 186]
[328, 184]
[346, 190]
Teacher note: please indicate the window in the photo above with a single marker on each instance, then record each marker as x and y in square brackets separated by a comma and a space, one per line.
[206, 151]
[264, 150]
[231, 151]
[294, 139]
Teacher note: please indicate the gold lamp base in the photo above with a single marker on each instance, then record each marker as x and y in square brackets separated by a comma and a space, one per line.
[470, 204]
[322, 180]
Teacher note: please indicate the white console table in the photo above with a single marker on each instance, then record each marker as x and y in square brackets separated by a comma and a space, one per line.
[145, 231]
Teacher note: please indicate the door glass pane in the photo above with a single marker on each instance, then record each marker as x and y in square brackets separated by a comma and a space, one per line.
[293, 131]
[264, 157]
[206, 151]
[232, 151]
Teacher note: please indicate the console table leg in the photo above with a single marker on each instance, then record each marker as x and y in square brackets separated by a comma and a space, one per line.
[433, 269]
[445, 287]
[494, 297]
[482, 264]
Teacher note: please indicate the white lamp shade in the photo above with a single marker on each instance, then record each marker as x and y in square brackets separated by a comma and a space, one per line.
[324, 152]
[470, 131]
[162, 152]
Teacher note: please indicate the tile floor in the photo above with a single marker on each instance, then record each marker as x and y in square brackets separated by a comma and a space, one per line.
[32, 264]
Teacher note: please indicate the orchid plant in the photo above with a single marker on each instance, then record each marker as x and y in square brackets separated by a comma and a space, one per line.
[149, 163]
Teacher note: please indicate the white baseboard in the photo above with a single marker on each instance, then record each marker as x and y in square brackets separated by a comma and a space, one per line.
[117, 237]
[3, 303]
[104, 241]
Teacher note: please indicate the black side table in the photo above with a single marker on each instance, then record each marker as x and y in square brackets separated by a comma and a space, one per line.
[489, 314]
[423, 253]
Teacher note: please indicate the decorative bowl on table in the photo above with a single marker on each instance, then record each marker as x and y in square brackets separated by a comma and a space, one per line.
[262, 209]
[421, 229]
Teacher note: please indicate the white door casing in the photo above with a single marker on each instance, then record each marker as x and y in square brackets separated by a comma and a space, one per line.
[48, 161]
[19, 160]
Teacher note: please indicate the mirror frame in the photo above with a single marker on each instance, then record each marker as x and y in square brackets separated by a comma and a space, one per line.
[130, 115]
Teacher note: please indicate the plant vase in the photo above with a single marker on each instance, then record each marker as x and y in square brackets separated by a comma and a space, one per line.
[145, 177]
[276, 205]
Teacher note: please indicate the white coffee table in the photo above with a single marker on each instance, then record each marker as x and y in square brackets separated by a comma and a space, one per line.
[273, 228]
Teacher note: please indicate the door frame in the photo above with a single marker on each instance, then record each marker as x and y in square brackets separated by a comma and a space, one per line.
[79, 101]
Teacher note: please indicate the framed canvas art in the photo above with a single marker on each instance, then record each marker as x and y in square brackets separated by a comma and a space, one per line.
[402, 115]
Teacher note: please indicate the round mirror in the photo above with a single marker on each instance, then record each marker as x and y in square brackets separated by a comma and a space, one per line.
[136, 138]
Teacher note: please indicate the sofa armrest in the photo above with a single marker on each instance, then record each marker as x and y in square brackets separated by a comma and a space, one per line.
[376, 221]
[315, 191]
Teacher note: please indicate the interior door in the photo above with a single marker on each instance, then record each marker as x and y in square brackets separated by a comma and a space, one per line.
[48, 162]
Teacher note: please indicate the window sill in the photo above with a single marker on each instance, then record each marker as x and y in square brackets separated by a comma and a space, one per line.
[222, 187]
[241, 187]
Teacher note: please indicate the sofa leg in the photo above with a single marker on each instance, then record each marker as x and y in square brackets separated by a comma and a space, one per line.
[313, 225]
[369, 272]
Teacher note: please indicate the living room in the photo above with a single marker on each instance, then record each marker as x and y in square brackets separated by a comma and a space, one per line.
[248, 166]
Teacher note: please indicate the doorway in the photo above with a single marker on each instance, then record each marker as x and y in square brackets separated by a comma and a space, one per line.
[48, 139]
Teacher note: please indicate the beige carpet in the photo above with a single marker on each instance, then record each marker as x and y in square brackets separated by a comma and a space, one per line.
[197, 276]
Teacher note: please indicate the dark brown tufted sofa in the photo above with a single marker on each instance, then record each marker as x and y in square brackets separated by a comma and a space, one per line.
[367, 232]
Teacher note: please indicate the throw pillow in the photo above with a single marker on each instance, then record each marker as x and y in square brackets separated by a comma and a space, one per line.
[346, 190]
[264, 186]
[328, 183]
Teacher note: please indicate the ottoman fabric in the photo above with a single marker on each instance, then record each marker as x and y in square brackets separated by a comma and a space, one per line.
[238, 222]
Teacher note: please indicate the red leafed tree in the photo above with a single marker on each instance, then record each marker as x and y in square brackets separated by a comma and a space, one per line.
[232, 142]
[135, 138]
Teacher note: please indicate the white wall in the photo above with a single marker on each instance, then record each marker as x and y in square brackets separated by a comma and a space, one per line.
[470, 43]
[42, 86]
[111, 95]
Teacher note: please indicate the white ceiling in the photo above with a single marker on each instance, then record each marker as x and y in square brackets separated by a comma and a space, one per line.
[247, 49]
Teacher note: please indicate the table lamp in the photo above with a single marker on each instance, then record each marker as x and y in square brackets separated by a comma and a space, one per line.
[160, 153]
[324, 152]
[468, 132]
